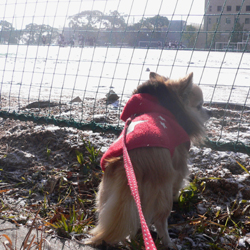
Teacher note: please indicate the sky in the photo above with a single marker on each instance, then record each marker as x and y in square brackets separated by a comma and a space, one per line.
[55, 12]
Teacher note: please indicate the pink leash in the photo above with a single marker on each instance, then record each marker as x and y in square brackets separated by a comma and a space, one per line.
[148, 241]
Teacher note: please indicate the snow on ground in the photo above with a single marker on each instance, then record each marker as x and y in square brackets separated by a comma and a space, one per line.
[56, 73]
[24, 154]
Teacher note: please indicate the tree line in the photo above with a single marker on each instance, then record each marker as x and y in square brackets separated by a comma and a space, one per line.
[92, 27]
[96, 28]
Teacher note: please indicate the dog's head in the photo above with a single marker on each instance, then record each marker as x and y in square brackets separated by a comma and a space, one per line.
[181, 97]
[192, 97]
[196, 104]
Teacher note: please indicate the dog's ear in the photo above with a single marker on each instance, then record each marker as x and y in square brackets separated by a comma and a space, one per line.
[185, 86]
[156, 77]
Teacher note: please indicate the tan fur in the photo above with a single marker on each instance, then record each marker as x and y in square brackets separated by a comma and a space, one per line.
[159, 176]
[118, 216]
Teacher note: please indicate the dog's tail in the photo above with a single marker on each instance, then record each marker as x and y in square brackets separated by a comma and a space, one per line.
[118, 215]
[114, 226]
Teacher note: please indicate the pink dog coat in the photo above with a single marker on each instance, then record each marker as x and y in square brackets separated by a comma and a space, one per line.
[152, 126]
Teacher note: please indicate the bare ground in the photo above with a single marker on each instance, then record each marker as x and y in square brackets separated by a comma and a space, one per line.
[41, 173]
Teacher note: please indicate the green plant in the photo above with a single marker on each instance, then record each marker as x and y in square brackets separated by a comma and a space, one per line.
[232, 213]
[138, 243]
[73, 223]
[48, 152]
[188, 195]
[243, 168]
[84, 168]
[215, 246]
[79, 157]
[94, 153]
[92, 159]
[44, 208]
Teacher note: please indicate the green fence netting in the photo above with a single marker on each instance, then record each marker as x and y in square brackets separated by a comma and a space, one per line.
[75, 63]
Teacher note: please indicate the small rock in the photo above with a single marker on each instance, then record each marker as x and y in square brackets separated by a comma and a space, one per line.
[51, 183]
[100, 118]
[111, 97]
[77, 99]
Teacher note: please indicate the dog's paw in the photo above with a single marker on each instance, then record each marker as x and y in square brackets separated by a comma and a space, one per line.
[92, 242]
[172, 246]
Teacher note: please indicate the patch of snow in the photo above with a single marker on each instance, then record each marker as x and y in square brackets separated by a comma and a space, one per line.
[223, 154]
[244, 239]
[223, 172]
[39, 127]
[21, 217]
[242, 156]
[29, 222]
[207, 151]
[99, 116]
[242, 177]
[20, 202]
[217, 208]
[104, 149]
[28, 155]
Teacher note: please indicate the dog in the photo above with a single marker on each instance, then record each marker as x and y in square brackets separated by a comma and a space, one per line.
[165, 116]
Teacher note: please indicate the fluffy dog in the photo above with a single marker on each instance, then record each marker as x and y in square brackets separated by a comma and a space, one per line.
[166, 115]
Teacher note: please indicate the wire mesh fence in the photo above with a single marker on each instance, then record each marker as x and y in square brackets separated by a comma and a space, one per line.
[76, 63]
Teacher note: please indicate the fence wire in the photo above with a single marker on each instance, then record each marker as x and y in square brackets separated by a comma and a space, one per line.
[75, 63]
